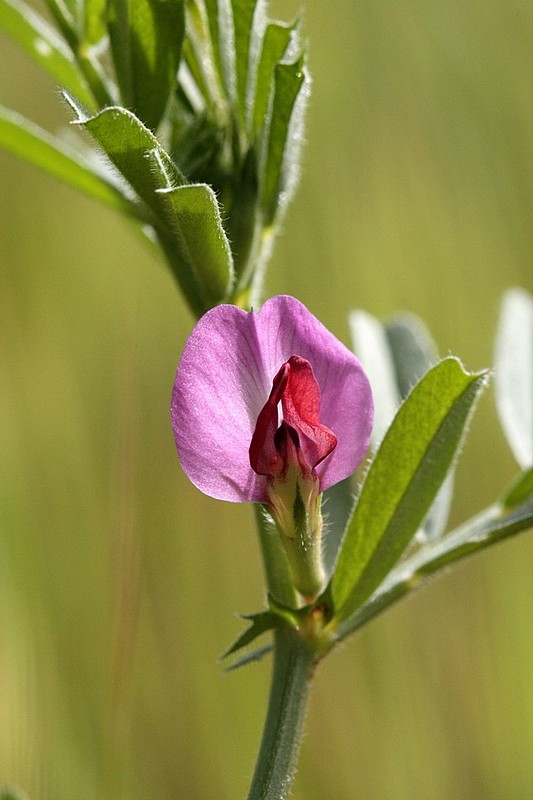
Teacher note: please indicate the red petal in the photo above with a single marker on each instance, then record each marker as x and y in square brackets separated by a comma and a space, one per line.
[263, 453]
[301, 407]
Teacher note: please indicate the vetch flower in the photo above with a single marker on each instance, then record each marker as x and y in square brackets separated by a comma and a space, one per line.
[269, 407]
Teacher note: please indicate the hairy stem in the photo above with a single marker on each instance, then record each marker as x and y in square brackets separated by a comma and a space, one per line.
[294, 665]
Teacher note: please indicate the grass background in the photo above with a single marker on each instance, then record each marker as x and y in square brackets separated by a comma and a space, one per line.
[119, 581]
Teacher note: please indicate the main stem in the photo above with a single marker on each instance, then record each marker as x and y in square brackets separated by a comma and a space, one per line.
[294, 665]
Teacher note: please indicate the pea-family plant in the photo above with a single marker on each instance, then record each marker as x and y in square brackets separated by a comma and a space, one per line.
[188, 117]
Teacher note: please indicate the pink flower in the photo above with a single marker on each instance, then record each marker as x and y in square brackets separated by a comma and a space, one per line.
[262, 395]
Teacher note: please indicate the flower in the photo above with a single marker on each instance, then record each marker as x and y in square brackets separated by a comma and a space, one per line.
[265, 397]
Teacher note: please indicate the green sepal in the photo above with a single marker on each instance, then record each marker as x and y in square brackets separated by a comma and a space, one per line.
[521, 489]
[402, 481]
[40, 41]
[146, 38]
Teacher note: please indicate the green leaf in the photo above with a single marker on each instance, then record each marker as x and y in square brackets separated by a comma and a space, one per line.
[26, 140]
[211, 7]
[94, 27]
[275, 43]
[146, 38]
[41, 42]
[202, 53]
[491, 526]
[261, 623]
[127, 143]
[520, 490]
[244, 12]
[514, 373]
[395, 356]
[406, 474]
[201, 240]
[284, 136]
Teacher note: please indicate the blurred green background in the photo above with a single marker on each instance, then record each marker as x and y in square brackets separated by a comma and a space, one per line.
[119, 581]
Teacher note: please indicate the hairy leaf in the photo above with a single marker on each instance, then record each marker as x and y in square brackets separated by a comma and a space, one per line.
[406, 474]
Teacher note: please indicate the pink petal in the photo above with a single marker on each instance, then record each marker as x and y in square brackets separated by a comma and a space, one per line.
[225, 377]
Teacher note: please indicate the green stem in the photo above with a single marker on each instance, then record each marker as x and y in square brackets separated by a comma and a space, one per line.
[294, 665]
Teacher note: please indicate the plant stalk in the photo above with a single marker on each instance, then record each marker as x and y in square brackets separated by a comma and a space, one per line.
[292, 672]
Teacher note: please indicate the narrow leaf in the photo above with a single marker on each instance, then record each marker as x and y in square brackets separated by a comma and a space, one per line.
[284, 136]
[261, 623]
[26, 140]
[94, 27]
[520, 490]
[491, 526]
[406, 474]
[41, 42]
[274, 45]
[248, 658]
[396, 355]
[414, 352]
[201, 240]
[214, 34]
[244, 17]
[514, 373]
[146, 38]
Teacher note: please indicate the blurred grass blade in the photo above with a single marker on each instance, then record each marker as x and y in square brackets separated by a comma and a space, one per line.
[489, 527]
[281, 165]
[274, 45]
[146, 38]
[514, 373]
[201, 240]
[126, 142]
[24, 139]
[41, 42]
[521, 489]
[406, 474]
